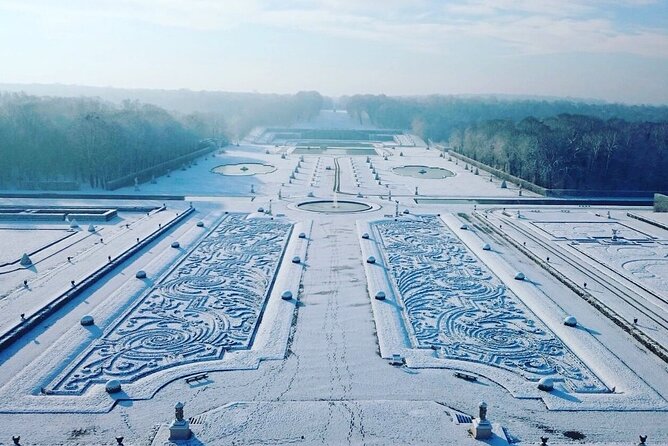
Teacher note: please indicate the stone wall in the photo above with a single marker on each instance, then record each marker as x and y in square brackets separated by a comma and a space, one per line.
[660, 203]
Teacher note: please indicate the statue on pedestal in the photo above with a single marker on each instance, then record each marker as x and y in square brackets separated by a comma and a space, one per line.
[482, 428]
[180, 428]
[482, 411]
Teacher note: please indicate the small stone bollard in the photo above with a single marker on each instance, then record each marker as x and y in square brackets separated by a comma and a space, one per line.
[486, 247]
[286, 295]
[546, 384]
[141, 274]
[520, 276]
[119, 440]
[73, 283]
[112, 386]
[296, 259]
[200, 224]
[16, 439]
[380, 295]
[365, 236]
[643, 439]
[176, 245]
[371, 260]
[302, 235]
[570, 321]
[87, 321]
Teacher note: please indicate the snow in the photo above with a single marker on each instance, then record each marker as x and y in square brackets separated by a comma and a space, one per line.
[632, 253]
[314, 369]
[17, 241]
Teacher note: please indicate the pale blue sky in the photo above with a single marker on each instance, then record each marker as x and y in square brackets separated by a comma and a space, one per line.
[615, 50]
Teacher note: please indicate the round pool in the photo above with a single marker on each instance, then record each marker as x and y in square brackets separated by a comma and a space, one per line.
[243, 169]
[427, 172]
[331, 207]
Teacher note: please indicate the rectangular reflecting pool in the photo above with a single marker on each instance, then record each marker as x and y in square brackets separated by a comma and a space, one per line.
[334, 151]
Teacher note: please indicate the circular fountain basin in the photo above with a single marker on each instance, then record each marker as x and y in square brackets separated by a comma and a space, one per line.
[426, 172]
[330, 207]
[243, 169]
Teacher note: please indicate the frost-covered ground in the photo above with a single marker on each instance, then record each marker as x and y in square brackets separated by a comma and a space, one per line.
[628, 273]
[314, 369]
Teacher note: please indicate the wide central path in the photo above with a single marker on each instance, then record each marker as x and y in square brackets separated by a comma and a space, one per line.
[335, 324]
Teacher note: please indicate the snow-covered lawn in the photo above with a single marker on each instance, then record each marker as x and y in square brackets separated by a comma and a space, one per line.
[16, 241]
[633, 254]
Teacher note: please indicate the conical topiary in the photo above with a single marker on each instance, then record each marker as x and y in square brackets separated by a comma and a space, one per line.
[25, 260]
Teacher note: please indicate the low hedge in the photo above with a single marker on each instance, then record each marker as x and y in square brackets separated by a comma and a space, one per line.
[501, 174]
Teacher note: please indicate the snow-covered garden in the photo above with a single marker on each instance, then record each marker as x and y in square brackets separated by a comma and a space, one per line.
[379, 318]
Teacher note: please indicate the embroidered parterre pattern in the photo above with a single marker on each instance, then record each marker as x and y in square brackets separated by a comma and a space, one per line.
[210, 302]
[453, 304]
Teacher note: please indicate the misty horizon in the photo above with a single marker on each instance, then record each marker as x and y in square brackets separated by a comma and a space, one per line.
[78, 90]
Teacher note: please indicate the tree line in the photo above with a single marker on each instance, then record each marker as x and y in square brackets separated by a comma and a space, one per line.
[93, 141]
[555, 144]
[85, 140]
[572, 151]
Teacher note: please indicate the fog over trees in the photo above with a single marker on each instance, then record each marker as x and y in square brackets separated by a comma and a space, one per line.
[93, 141]
[555, 144]
[235, 113]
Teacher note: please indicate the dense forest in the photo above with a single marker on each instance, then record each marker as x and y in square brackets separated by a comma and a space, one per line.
[555, 144]
[70, 140]
[86, 140]
[572, 151]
